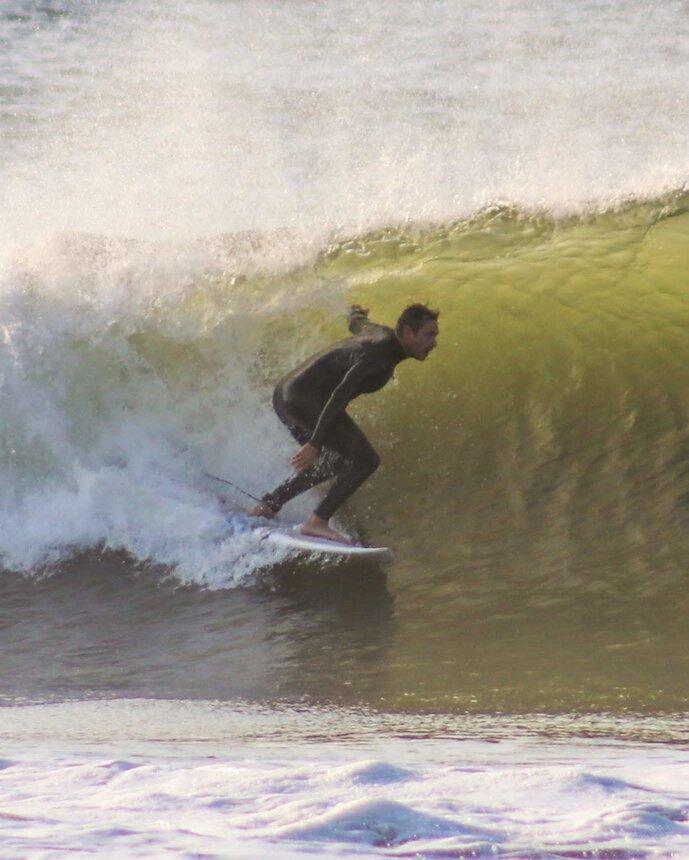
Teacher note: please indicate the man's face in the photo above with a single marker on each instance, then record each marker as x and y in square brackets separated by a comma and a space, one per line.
[419, 344]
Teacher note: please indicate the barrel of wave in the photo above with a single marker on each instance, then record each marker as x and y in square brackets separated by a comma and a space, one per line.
[548, 432]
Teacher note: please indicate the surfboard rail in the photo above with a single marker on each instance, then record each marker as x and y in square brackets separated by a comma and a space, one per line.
[291, 538]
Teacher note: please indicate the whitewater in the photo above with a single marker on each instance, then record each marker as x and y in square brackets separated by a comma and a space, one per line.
[191, 196]
[162, 778]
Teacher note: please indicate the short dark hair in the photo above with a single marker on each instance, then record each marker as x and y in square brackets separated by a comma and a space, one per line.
[415, 316]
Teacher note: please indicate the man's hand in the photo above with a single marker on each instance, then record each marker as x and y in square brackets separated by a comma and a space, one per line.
[305, 457]
[359, 309]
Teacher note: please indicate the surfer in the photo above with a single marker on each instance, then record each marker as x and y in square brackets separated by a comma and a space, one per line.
[312, 399]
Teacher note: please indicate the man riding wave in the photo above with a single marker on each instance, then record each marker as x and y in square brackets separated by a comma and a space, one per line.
[311, 402]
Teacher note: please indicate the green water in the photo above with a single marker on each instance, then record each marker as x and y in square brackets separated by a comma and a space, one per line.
[534, 479]
[536, 468]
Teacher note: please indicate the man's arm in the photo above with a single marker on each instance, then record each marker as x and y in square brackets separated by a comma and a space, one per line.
[347, 389]
[359, 323]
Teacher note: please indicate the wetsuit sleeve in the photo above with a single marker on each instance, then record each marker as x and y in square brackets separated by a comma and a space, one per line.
[359, 323]
[348, 388]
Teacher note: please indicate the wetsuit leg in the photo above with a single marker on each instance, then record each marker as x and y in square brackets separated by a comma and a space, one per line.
[347, 456]
[299, 482]
[356, 461]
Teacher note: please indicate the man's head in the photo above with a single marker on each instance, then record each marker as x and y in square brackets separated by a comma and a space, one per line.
[417, 331]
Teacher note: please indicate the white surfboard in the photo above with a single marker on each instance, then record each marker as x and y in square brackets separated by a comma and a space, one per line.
[291, 538]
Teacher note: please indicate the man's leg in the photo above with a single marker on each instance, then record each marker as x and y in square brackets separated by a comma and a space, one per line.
[299, 482]
[347, 455]
[356, 461]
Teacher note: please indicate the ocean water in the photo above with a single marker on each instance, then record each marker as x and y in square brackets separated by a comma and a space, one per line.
[191, 195]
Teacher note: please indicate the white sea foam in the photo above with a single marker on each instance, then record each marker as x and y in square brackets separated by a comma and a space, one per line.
[516, 797]
[105, 439]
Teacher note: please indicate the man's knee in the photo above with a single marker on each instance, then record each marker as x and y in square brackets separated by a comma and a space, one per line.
[370, 462]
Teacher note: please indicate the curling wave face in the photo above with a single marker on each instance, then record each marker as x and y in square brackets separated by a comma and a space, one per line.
[534, 469]
[551, 421]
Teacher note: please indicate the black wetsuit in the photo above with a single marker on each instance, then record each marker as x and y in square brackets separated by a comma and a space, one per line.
[311, 401]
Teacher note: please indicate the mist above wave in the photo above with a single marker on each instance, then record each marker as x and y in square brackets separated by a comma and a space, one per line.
[149, 119]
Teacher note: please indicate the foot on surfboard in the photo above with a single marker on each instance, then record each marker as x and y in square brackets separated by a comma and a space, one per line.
[316, 527]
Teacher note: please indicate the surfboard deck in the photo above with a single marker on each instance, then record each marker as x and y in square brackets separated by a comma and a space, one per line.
[291, 538]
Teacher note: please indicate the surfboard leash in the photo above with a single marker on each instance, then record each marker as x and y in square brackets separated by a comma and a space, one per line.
[231, 484]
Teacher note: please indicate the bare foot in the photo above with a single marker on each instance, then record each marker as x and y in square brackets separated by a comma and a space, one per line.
[262, 510]
[317, 527]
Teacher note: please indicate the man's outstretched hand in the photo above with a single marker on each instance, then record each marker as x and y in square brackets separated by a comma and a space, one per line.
[305, 457]
[360, 309]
